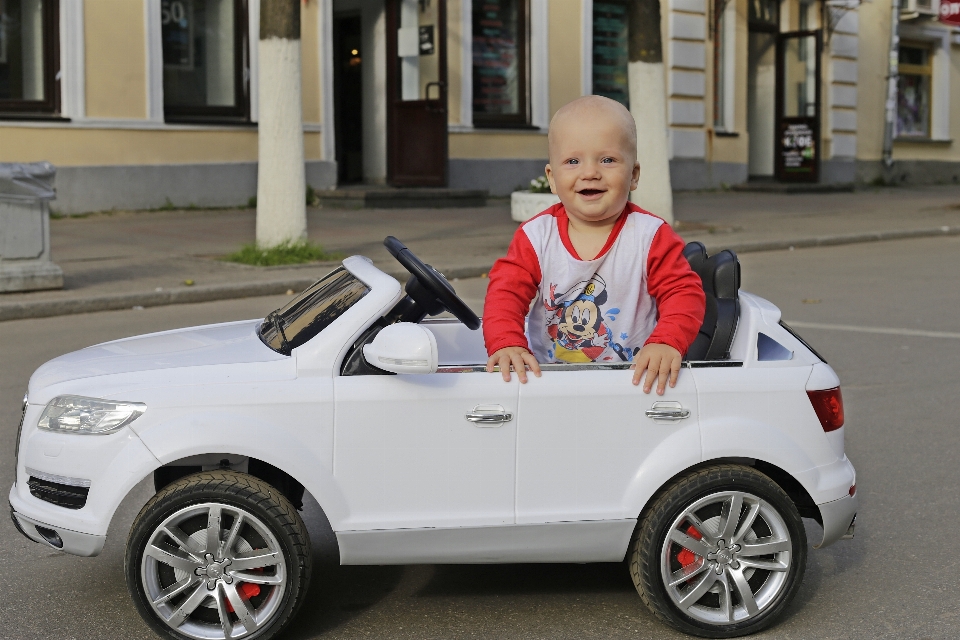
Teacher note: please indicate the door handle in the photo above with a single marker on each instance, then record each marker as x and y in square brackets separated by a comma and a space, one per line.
[667, 410]
[488, 415]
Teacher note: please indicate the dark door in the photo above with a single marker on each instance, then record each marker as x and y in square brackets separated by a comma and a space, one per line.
[348, 96]
[798, 107]
[417, 93]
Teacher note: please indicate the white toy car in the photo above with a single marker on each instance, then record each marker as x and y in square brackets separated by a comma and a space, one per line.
[700, 490]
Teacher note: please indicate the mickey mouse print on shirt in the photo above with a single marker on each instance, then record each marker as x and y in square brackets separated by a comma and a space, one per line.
[575, 322]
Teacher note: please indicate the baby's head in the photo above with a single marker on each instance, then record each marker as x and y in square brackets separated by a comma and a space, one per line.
[593, 158]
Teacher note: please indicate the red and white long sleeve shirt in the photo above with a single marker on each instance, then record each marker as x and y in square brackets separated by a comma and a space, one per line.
[639, 289]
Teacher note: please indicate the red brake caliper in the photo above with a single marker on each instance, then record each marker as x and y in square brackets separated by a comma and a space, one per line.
[687, 557]
[246, 589]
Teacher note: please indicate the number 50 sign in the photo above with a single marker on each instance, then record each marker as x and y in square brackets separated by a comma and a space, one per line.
[950, 12]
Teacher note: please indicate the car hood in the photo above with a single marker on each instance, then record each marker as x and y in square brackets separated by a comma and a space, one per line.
[217, 344]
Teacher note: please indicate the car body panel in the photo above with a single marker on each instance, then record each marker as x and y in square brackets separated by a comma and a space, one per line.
[400, 467]
[399, 471]
[584, 442]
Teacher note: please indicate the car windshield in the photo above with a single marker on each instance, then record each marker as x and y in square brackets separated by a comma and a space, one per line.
[312, 311]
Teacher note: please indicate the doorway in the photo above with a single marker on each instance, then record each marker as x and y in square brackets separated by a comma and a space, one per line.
[348, 97]
[417, 152]
[798, 107]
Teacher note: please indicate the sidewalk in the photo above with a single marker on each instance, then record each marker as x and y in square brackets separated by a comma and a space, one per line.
[125, 259]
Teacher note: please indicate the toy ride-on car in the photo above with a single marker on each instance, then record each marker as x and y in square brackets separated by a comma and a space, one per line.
[417, 455]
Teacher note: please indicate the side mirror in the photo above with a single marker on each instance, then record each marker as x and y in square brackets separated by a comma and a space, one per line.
[403, 348]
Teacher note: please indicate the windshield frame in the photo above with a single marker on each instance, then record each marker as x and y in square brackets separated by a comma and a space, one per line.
[311, 311]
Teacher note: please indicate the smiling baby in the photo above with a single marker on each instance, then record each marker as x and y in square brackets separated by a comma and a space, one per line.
[608, 280]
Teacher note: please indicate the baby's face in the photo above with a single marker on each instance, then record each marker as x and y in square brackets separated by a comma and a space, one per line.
[593, 165]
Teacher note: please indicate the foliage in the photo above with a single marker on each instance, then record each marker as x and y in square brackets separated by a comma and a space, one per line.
[286, 253]
[540, 185]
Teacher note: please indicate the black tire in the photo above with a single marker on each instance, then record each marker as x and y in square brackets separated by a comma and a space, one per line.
[249, 519]
[719, 609]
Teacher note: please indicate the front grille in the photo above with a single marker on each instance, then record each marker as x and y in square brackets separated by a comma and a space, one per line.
[62, 495]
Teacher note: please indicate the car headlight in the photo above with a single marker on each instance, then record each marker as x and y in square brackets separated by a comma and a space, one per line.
[77, 414]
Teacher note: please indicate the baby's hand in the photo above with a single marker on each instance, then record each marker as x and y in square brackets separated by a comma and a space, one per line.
[659, 361]
[519, 357]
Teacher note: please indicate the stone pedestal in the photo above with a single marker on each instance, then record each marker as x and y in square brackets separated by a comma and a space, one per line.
[25, 192]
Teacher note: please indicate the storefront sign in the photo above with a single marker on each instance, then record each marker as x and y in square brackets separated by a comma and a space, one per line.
[950, 12]
[798, 151]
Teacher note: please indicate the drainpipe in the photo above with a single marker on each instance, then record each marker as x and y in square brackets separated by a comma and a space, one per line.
[892, 74]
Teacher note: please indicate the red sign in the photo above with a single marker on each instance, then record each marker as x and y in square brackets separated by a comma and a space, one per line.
[950, 12]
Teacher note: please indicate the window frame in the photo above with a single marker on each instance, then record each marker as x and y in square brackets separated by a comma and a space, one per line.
[239, 114]
[49, 107]
[925, 70]
[522, 119]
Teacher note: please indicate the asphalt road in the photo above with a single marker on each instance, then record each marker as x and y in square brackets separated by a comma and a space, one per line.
[898, 578]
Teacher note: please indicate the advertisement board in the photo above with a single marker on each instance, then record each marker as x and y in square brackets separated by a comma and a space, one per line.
[950, 12]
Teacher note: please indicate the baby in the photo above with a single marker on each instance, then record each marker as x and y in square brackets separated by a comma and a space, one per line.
[610, 280]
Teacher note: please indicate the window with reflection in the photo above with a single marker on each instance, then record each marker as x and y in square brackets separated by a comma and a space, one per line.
[29, 58]
[611, 50]
[204, 59]
[913, 91]
[500, 63]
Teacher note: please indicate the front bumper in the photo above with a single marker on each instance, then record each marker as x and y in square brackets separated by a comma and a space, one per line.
[838, 518]
[73, 542]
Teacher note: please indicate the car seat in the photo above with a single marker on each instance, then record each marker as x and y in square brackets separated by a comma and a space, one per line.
[720, 275]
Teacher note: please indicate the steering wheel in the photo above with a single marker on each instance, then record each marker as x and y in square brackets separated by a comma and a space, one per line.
[428, 287]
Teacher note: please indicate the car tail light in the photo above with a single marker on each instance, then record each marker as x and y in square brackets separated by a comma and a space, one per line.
[829, 407]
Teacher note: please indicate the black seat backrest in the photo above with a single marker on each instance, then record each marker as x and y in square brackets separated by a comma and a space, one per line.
[720, 274]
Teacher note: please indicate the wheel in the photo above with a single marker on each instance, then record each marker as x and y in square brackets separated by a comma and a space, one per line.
[218, 554]
[721, 553]
[431, 289]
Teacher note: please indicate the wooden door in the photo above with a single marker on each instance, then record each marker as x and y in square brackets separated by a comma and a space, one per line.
[798, 107]
[417, 93]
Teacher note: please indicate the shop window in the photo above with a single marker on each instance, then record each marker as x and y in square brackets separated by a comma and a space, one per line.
[204, 62]
[913, 91]
[500, 91]
[29, 56]
[611, 50]
[764, 14]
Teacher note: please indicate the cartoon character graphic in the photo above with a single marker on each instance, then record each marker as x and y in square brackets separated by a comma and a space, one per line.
[576, 324]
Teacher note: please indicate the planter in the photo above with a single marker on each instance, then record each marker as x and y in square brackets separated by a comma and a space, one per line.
[524, 205]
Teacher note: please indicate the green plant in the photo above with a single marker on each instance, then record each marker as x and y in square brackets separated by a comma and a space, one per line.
[252, 202]
[540, 185]
[285, 253]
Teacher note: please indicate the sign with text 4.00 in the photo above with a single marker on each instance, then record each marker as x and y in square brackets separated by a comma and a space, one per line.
[950, 12]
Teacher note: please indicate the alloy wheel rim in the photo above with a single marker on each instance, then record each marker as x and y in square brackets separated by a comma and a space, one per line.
[213, 572]
[726, 558]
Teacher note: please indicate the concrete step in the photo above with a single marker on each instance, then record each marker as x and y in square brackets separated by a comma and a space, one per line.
[380, 197]
[770, 186]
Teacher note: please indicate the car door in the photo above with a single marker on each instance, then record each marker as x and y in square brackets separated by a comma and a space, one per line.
[433, 450]
[584, 441]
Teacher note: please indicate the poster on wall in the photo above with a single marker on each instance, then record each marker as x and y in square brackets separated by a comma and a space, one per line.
[176, 32]
[610, 51]
[798, 149]
[950, 12]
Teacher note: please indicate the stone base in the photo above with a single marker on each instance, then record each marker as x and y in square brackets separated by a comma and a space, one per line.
[908, 172]
[524, 205]
[224, 184]
[29, 275]
[370, 197]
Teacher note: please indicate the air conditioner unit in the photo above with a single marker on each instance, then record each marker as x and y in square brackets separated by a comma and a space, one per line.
[915, 8]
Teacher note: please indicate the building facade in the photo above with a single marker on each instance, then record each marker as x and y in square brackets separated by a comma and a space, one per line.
[141, 103]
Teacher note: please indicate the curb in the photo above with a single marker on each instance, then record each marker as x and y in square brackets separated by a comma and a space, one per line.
[180, 295]
[832, 241]
[210, 293]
